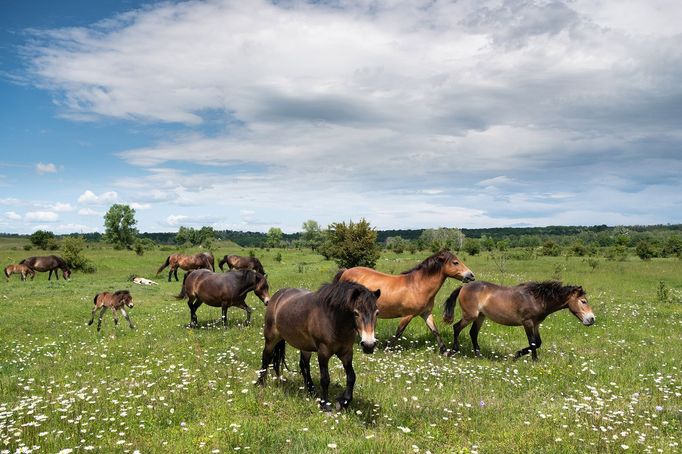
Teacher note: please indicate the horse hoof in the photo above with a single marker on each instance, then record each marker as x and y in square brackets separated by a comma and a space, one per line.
[325, 406]
[477, 354]
[341, 404]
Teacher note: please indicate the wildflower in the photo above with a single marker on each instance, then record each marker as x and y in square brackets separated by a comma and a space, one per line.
[331, 445]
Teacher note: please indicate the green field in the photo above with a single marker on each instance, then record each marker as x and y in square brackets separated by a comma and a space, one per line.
[611, 387]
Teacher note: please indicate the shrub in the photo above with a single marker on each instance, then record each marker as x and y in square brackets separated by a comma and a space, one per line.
[471, 246]
[551, 249]
[71, 253]
[28, 247]
[278, 257]
[352, 244]
[645, 250]
[42, 239]
[143, 244]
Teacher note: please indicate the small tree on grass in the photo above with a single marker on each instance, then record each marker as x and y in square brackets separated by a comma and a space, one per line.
[143, 244]
[274, 237]
[42, 239]
[471, 246]
[645, 250]
[352, 244]
[119, 224]
[71, 253]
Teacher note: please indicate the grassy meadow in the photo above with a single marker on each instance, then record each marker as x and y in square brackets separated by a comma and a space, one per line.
[612, 387]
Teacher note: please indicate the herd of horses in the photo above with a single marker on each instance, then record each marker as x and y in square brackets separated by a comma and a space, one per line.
[329, 320]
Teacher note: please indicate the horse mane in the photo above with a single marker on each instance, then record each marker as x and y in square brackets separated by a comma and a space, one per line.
[121, 292]
[552, 291]
[338, 295]
[259, 266]
[433, 264]
[61, 262]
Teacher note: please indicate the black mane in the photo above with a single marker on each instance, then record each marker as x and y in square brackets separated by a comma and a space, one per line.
[121, 292]
[340, 295]
[433, 264]
[552, 291]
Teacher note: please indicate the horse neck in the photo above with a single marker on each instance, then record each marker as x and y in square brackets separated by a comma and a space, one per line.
[430, 282]
[554, 306]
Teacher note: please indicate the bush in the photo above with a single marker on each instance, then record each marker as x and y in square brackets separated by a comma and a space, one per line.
[143, 244]
[551, 249]
[28, 247]
[71, 253]
[42, 239]
[352, 244]
[471, 246]
[278, 257]
[645, 250]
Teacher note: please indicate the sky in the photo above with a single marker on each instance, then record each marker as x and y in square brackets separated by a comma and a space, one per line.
[247, 115]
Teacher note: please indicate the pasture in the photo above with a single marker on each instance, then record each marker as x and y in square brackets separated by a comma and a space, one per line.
[611, 387]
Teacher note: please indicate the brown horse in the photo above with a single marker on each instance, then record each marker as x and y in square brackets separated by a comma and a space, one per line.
[117, 301]
[411, 293]
[325, 322]
[525, 305]
[187, 263]
[222, 290]
[242, 263]
[48, 263]
[19, 268]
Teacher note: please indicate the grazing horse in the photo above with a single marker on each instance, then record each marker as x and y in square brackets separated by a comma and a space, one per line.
[222, 290]
[242, 263]
[116, 301]
[48, 263]
[524, 305]
[411, 293]
[187, 263]
[19, 268]
[325, 322]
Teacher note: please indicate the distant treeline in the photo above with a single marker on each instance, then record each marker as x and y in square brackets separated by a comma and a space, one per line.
[598, 235]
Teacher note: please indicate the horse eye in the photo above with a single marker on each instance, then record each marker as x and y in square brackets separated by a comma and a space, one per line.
[455, 262]
[357, 314]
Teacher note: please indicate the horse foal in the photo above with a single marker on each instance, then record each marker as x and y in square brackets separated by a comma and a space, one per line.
[116, 301]
[19, 268]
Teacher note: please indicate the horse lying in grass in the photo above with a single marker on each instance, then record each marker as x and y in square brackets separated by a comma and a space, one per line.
[242, 263]
[222, 290]
[524, 305]
[187, 263]
[117, 301]
[325, 322]
[19, 268]
[50, 263]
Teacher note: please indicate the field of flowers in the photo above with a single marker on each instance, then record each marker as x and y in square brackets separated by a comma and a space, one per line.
[612, 387]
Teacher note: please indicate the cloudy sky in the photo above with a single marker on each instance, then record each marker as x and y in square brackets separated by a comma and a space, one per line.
[252, 114]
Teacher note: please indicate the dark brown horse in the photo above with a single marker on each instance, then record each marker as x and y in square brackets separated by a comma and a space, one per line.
[187, 263]
[48, 263]
[19, 268]
[117, 301]
[325, 322]
[525, 305]
[222, 290]
[411, 293]
[242, 263]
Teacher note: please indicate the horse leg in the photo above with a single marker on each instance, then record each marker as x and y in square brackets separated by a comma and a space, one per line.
[94, 309]
[224, 316]
[304, 365]
[170, 274]
[101, 314]
[268, 349]
[323, 361]
[347, 396]
[399, 332]
[457, 328]
[248, 310]
[428, 318]
[538, 341]
[114, 311]
[175, 273]
[127, 317]
[192, 313]
[530, 334]
[49, 276]
[475, 328]
[56, 273]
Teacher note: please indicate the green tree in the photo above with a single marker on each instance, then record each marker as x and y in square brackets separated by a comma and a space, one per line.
[672, 246]
[203, 236]
[550, 248]
[645, 250]
[397, 244]
[442, 238]
[41, 239]
[72, 247]
[352, 244]
[119, 226]
[487, 243]
[274, 237]
[143, 244]
[312, 234]
[471, 246]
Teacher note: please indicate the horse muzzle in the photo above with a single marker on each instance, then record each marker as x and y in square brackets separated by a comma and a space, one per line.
[589, 320]
[468, 277]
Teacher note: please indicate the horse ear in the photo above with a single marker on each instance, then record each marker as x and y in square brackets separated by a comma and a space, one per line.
[377, 293]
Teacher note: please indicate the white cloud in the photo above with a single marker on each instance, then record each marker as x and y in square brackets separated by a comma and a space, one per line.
[12, 216]
[45, 168]
[62, 207]
[90, 212]
[89, 197]
[175, 220]
[41, 216]
[140, 206]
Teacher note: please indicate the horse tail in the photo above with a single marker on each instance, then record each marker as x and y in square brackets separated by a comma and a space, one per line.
[338, 275]
[222, 262]
[212, 263]
[94, 300]
[165, 264]
[183, 291]
[449, 314]
[278, 356]
[259, 267]
[23, 262]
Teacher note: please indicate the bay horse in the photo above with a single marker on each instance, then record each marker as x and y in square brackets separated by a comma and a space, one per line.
[48, 263]
[326, 322]
[412, 292]
[117, 301]
[241, 263]
[222, 290]
[187, 263]
[524, 305]
[19, 268]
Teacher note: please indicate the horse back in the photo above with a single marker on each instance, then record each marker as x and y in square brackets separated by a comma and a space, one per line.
[399, 295]
[295, 315]
[502, 304]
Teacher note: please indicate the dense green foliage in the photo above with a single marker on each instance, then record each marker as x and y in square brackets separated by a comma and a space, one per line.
[194, 237]
[352, 244]
[72, 253]
[119, 226]
[44, 239]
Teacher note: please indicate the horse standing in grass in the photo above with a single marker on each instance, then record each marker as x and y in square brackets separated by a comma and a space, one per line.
[524, 305]
[187, 263]
[222, 290]
[411, 293]
[241, 263]
[19, 268]
[325, 322]
[48, 263]
[117, 301]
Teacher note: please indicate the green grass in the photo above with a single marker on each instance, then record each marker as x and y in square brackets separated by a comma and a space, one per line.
[163, 387]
